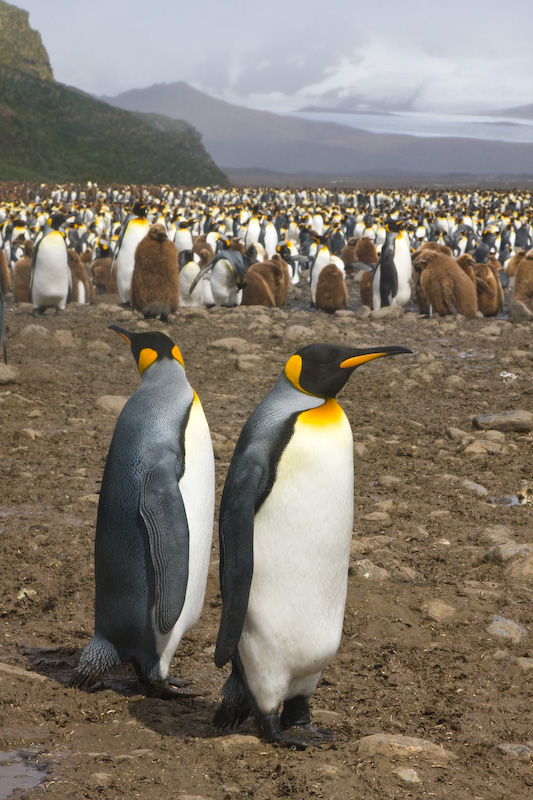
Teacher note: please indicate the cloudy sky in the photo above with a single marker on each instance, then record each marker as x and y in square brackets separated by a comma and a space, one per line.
[465, 55]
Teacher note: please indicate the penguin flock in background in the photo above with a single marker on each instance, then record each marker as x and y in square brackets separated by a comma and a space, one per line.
[312, 231]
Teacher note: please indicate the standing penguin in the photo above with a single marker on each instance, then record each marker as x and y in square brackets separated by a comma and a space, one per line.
[286, 520]
[392, 278]
[155, 283]
[134, 230]
[154, 524]
[51, 279]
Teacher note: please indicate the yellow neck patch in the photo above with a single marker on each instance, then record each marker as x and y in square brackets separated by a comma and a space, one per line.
[330, 413]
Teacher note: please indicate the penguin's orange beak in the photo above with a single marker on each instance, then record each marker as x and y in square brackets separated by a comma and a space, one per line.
[370, 355]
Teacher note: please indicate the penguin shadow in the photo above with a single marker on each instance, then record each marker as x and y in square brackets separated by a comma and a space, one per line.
[186, 715]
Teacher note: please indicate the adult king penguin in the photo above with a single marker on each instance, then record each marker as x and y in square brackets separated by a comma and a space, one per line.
[286, 520]
[133, 231]
[51, 278]
[154, 524]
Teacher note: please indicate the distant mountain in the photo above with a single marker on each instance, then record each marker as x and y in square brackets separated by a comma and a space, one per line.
[52, 132]
[520, 112]
[242, 138]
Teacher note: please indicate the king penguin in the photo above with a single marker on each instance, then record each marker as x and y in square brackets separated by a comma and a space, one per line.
[154, 524]
[134, 230]
[286, 520]
[51, 279]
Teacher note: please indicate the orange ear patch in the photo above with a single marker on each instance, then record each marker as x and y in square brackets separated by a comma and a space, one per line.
[147, 356]
[176, 352]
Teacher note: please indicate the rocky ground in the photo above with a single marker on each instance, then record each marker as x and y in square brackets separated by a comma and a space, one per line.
[430, 692]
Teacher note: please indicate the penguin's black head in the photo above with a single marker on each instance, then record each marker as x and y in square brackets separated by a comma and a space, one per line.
[149, 347]
[323, 369]
[140, 208]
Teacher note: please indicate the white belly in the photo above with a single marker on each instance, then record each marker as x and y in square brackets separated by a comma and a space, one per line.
[51, 276]
[302, 538]
[224, 284]
[197, 487]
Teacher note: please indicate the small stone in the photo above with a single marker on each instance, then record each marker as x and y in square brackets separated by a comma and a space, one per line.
[497, 533]
[35, 330]
[455, 382]
[324, 715]
[525, 664]
[29, 433]
[507, 421]
[475, 449]
[229, 343]
[298, 333]
[506, 629]
[360, 450]
[495, 436]
[100, 780]
[438, 611]
[112, 404]
[492, 330]
[459, 435]
[328, 771]
[8, 374]
[407, 774]
[474, 487]
[387, 312]
[248, 363]
[66, 339]
[366, 570]
[521, 751]
[521, 570]
[378, 516]
[506, 551]
[237, 740]
[94, 499]
[390, 744]
[98, 347]
[389, 481]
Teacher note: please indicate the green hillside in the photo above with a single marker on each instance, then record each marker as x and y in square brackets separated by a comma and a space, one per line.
[52, 132]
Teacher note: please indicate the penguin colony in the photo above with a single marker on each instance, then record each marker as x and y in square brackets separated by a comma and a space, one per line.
[219, 235]
[156, 508]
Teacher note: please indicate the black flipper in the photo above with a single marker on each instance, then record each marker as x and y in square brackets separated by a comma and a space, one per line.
[163, 511]
[388, 286]
[236, 531]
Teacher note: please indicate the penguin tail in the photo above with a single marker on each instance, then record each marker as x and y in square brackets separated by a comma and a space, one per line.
[99, 656]
[235, 707]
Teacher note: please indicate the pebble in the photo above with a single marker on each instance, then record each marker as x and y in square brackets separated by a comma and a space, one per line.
[521, 751]
[236, 740]
[66, 339]
[477, 488]
[507, 421]
[366, 570]
[8, 374]
[506, 551]
[35, 330]
[492, 330]
[475, 449]
[29, 433]
[378, 516]
[387, 312]
[112, 404]
[389, 481]
[438, 611]
[407, 774]
[248, 363]
[525, 664]
[360, 450]
[231, 343]
[390, 744]
[458, 435]
[497, 533]
[100, 780]
[298, 333]
[506, 629]
[521, 570]
[99, 347]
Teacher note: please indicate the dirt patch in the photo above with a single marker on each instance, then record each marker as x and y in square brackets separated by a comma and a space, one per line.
[426, 580]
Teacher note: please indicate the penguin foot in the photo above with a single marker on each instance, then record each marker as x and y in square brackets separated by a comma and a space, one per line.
[170, 689]
[300, 737]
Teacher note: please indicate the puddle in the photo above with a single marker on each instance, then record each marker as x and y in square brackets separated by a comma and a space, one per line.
[19, 770]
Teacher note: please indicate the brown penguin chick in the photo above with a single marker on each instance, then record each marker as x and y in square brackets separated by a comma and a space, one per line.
[523, 281]
[82, 289]
[447, 287]
[365, 251]
[365, 289]
[331, 289]
[418, 261]
[348, 251]
[257, 291]
[104, 275]
[155, 284]
[489, 302]
[514, 261]
[5, 277]
[203, 249]
[22, 274]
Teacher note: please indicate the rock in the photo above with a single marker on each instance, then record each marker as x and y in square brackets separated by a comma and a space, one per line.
[492, 330]
[248, 363]
[29, 433]
[506, 551]
[238, 741]
[521, 570]
[98, 347]
[94, 499]
[66, 339]
[506, 629]
[525, 664]
[455, 382]
[35, 330]
[100, 780]
[324, 715]
[407, 774]
[391, 744]
[497, 534]
[366, 570]
[438, 611]
[512, 421]
[387, 312]
[378, 516]
[494, 436]
[474, 487]
[231, 343]
[389, 481]
[8, 374]
[520, 312]
[298, 333]
[112, 404]
[360, 450]
[475, 449]
[328, 771]
[521, 751]
[458, 435]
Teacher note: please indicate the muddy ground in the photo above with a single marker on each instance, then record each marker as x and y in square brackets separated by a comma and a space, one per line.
[428, 575]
